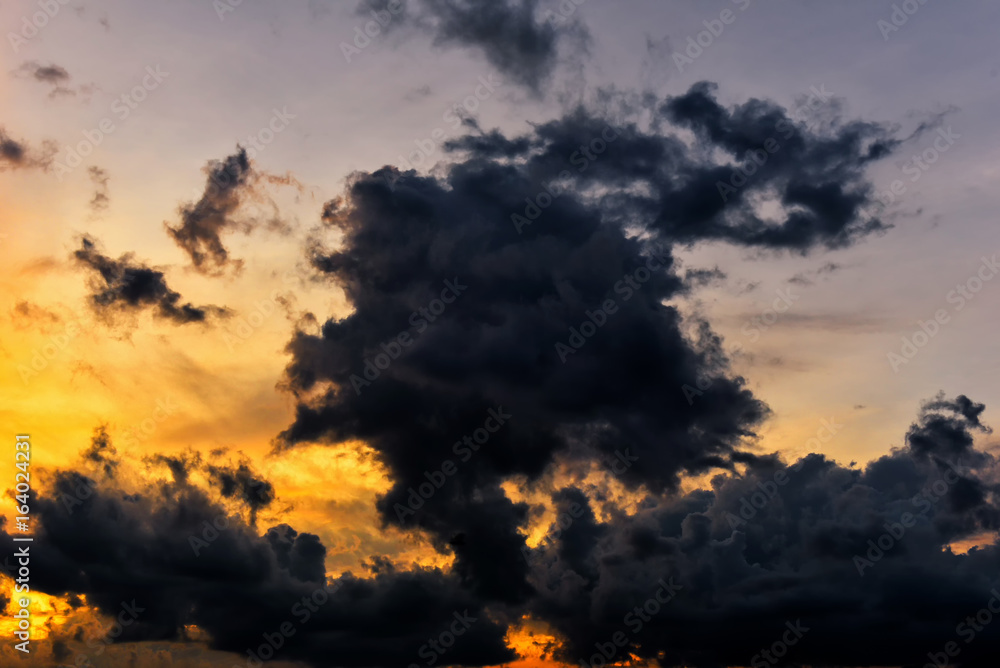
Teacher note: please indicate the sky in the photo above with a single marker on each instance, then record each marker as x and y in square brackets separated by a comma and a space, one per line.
[470, 332]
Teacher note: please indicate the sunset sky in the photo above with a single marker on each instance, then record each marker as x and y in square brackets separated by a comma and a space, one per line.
[218, 216]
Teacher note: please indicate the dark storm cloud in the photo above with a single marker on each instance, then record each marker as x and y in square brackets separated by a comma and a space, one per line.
[127, 286]
[537, 269]
[115, 546]
[678, 188]
[799, 551]
[765, 546]
[588, 267]
[538, 266]
[817, 179]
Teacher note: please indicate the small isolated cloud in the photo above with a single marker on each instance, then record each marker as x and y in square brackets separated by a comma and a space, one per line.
[522, 39]
[230, 184]
[15, 154]
[417, 93]
[128, 286]
[26, 315]
[809, 277]
[53, 75]
[99, 177]
[158, 554]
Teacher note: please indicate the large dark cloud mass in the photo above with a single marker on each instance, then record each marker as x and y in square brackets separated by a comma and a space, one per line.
[538, 229]
[766, 545]
[185, 558]
[753, 553]
[126, 285]
[535, 265]
[514, 319]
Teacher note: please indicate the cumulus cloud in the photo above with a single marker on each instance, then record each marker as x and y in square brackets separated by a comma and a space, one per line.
[839, 551]
[513, 318]
[536, 280]
[781, 543]
[115, 544]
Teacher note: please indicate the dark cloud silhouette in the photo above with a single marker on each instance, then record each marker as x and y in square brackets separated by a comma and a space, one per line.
[837, 552]
[204, 221]
[230, 184]
[11, 151]
[115, 546]
[817, 179]
[512, 35]
[537, 227]
[679, 188]
[241, 484]
[775, 544]
[127, 286]
[513, 319]
[522, 39]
